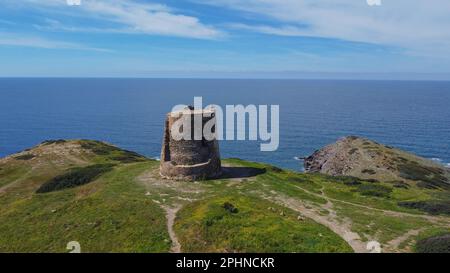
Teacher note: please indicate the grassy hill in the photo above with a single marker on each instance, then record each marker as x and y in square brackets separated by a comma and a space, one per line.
[367, 159]
[112, 200]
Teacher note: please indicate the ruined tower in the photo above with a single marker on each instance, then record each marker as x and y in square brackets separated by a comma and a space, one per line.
[194, 158]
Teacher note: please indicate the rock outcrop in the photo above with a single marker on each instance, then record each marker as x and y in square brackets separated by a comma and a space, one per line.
[366, 159]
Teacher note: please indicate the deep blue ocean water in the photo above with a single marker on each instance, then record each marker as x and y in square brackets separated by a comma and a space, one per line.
[414, 116]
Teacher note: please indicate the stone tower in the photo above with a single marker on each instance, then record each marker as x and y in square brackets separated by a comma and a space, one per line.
[190, 159]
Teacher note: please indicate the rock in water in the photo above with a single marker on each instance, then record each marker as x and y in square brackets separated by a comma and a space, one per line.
[366, 159]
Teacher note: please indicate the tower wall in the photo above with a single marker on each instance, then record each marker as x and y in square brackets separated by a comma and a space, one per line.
[189, 159]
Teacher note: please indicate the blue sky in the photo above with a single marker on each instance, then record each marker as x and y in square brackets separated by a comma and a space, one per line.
[226, 38]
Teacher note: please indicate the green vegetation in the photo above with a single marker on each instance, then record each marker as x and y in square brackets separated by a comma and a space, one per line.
[374, 190]
[57, 141]
[399, 184]
[258, 226]
[111, 214]
[112, 200]
[433, 207]
[128, 157]
[429, 177]
[11, 173]
[98, 148]
[25, 157]
[230, 207]
[112, 152]
[436, 244]
[369, 171]
[372, 224]
[75, 177]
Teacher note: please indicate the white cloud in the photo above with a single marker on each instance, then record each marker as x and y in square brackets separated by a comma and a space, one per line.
[9, 39]
[286, 30]
[416, 25]
[132, 17]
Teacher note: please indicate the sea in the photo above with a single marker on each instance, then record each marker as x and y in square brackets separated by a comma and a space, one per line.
[129, 113]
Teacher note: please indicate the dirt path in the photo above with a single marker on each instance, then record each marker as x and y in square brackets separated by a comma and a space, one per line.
[395, 243]
[178, 194]
[173, 195]
[13, 183]
[343, 229]
[433, 219]
[171, 213]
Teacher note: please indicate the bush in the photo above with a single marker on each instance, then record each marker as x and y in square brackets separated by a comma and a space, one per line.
[297, 179]
[75, 177]
[274, 169]
[436, 244]
[352, 183]
[117, 154]
[374, 190]
[344, 179]
[128, 157]
[369, 171]
[401, 185]
[431, 206]
[25, 157]
[57, 141]
[230, 207]
[372, 180]
[98, 148]
[430, 177]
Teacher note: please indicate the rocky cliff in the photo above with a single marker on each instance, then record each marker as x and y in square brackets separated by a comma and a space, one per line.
[366, 159]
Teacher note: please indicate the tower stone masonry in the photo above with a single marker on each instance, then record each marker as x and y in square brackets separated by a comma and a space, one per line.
[190, 159]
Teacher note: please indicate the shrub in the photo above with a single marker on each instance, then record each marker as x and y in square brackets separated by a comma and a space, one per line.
[25, 157]
[431, 177]
[374, 190]
[426, 185]
[75, 177]
[401, 185]
[369, 171]
[230, 207]
[343, 179]
[117, 154]
[297, 179]
[274, 169]
[431, 206]
[128, 157]
[98, 148]
[352, 183]
[53, 141]
[372, 180]
[436, 244]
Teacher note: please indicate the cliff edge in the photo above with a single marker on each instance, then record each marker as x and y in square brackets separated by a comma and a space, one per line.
[367, 159]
